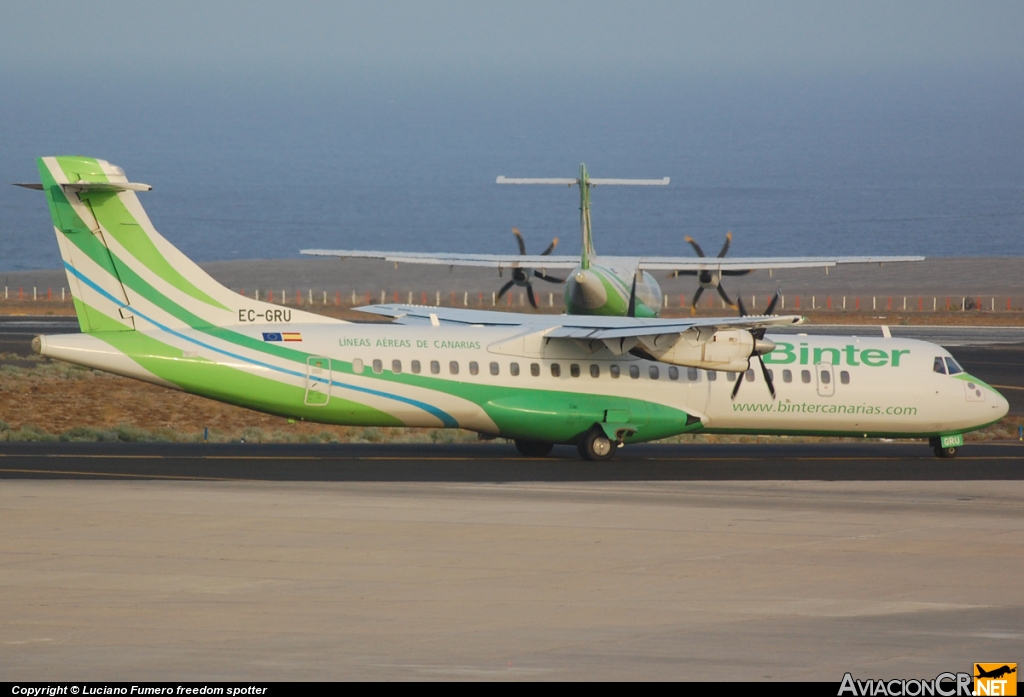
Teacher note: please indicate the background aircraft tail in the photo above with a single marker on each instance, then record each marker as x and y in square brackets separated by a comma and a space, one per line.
[122, 271]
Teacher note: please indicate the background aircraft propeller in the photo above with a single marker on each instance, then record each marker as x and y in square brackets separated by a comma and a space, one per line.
[758, 335]
[523, 277]
[710, 279]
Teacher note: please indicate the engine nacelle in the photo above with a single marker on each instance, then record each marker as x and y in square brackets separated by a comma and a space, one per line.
[726, 349]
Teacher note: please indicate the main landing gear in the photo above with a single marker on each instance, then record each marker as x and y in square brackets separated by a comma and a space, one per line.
[595, 445]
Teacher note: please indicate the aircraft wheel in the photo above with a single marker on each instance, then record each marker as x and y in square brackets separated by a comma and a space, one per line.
[944, 452]
[595, 445]
[533, 448]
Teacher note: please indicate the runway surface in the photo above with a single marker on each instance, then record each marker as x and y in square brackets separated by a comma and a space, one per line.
[496, 569]
[499, 462]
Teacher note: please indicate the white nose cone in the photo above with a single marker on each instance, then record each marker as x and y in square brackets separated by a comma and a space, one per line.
[1000, 407]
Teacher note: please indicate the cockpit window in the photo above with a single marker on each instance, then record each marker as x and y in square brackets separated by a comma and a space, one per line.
[953, 366]
[940, 366]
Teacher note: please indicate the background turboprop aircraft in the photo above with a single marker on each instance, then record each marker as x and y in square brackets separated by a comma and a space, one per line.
[607, 285]
[148, 312]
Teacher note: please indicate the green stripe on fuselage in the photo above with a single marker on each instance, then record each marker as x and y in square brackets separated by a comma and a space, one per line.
[227, 384]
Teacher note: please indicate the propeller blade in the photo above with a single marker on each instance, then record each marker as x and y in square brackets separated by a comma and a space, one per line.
[725, 247]
[739, 381]
[529, 295]
[551, 247]
[549, 279]
[505, 288]
[739, 303]
[767, 376]
[721, 291]
[519, 240]
[696, 297]
[771, 306]
[696, 247]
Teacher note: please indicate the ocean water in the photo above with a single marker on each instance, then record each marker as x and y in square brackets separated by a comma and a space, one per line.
[911, 164]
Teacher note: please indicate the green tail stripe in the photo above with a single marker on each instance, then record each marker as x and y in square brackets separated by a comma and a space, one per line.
[111, 213]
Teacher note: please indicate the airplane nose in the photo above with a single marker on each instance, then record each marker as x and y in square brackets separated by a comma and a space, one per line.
[1000, 405]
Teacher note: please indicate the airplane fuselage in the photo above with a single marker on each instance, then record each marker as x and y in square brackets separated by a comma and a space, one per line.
[512, 382]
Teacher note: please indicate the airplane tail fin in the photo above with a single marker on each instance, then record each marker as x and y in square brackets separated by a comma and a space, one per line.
[121, 271]
[587, 246]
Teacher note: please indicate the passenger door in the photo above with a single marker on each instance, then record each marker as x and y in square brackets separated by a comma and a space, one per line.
[318, 381]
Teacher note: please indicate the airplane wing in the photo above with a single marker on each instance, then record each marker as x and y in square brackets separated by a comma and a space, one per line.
[505, 261]
[572, 326]
[535, 261]
[754, 263]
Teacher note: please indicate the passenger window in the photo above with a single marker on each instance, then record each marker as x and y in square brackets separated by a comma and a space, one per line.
[357, 365]
[535, 369]
[474, 368]
[692, 375]
[634, 371]
[730, 376]
[844, 377]
[712, 375]
[787, 375]
[378, 366]
[939, 366]
[396, 367]
[435, 367]
[613, 370]
[826, 377]
[574, 370]
[556, 370]
[653, 372]
[415, 367]
[953, 366]
[595, 370]
[771, 374]
[673, 373]
[513, 369]
[749, 375]
[453, 367]
[805, 377]
[494, 369]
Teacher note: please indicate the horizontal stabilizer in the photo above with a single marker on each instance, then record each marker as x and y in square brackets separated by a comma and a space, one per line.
[593, 182]
[80, 186]
[105, 186]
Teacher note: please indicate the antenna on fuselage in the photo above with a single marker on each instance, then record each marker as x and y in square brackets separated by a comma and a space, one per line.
[585, 182]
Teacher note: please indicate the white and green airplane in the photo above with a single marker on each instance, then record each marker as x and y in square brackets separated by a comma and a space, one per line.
[614, 286]
[148, 312]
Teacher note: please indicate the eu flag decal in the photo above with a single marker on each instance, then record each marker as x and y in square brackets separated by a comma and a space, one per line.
[272, 336]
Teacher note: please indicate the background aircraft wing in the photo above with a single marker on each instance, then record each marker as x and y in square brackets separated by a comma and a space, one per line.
[572, 326]
[753, 263]
[505, 261]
